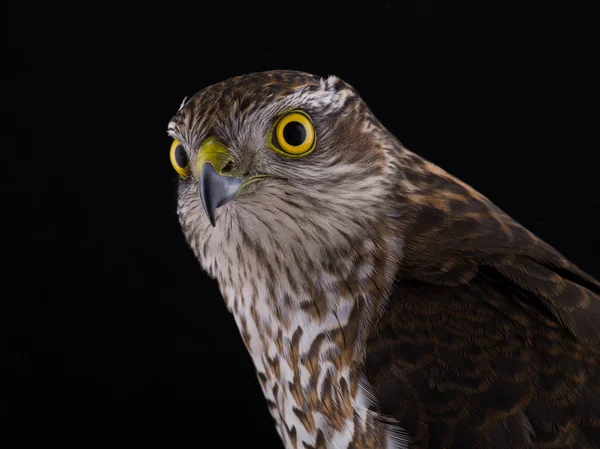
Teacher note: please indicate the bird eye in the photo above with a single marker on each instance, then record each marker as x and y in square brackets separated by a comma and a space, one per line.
[294, 134]
[179, 159]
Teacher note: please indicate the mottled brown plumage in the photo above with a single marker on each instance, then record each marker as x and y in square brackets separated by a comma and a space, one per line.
[384, 302]
[490, 338]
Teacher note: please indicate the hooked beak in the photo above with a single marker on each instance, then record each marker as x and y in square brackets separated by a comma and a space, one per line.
[216, 190]
[216, 187]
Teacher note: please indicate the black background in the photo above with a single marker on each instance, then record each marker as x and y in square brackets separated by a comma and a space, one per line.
[114, 334]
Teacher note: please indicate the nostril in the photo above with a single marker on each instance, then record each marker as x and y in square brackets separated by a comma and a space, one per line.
[228, 167]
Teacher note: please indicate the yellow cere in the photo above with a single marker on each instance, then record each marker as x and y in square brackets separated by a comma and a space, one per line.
[294, 135]
[179, 159]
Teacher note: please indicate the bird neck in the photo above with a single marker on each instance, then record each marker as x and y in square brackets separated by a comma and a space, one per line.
[335, 308]
[308, 341]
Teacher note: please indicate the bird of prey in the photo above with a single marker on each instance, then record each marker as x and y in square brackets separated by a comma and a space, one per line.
[385, 303]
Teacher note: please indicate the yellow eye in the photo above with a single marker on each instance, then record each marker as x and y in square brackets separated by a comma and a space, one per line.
[294, 134]
[179, 159]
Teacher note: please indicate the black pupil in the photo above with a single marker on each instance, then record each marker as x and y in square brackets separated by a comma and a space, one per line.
[180, 156]
[294, 133]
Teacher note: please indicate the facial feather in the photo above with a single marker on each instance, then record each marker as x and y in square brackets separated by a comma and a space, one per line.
[316, 209]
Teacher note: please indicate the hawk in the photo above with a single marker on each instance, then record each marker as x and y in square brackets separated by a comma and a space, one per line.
[385, 303]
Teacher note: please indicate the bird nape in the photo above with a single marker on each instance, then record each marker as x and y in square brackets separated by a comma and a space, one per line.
[385, 303]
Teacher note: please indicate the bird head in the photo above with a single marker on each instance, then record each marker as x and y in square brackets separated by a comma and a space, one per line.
[282, 169]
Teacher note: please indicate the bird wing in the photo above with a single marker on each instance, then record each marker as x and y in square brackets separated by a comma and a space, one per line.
[491, 337]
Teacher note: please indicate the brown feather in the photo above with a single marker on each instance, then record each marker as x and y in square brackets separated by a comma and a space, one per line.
[491, 337]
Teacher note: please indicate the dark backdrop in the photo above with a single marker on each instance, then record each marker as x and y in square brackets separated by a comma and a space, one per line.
[114, 333]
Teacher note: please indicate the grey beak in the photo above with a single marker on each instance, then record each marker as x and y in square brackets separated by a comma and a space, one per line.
[216, 190]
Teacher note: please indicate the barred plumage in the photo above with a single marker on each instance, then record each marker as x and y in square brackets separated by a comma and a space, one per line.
[385, 303]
